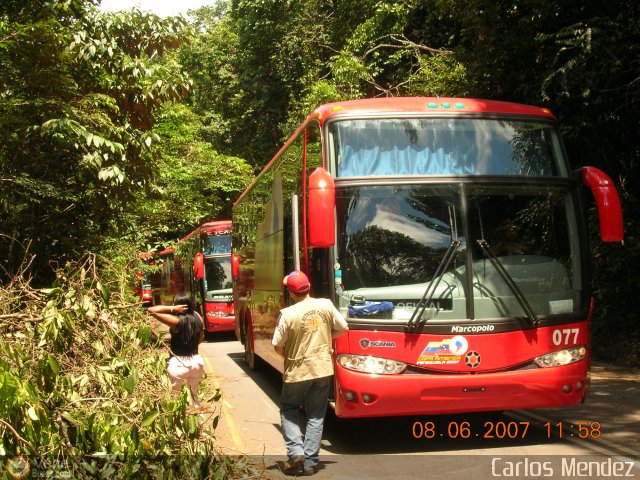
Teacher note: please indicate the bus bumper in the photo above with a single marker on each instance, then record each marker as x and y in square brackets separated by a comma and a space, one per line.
[220, 324]
[365, 395]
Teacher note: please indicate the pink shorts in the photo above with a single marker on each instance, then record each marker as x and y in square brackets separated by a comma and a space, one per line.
[186, 371]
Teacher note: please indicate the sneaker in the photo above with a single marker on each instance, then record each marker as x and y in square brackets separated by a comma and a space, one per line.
[294, 465]
[307, 472]
[296, 460]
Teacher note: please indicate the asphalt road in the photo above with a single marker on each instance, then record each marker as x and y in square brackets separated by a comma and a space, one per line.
[249, 427]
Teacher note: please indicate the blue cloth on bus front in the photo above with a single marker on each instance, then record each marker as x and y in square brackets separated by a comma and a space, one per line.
[369, 308]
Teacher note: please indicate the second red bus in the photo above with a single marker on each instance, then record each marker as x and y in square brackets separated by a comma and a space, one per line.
[200, 263]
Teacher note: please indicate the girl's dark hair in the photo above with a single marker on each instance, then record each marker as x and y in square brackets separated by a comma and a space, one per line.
[183, 298]
[189, 325]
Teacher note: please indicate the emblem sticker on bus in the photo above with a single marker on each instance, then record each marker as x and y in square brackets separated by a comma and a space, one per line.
[366, 343]
[472, 328]
[447, 351]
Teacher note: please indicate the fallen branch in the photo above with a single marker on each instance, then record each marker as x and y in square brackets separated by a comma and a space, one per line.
[18, 436]
[22, 316]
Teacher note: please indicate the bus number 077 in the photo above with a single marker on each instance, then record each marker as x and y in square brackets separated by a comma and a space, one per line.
[565, 334]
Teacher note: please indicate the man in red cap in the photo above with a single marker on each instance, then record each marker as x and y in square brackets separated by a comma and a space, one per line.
[303, 335]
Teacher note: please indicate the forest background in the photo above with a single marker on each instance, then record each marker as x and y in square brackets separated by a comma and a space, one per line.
[123, 131]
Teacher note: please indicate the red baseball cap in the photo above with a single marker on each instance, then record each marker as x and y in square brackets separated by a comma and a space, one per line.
[297, 282]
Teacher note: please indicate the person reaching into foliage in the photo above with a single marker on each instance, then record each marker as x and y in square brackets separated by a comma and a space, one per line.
[186, 366]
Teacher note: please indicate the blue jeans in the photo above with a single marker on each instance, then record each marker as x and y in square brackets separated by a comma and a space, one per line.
[312, 395]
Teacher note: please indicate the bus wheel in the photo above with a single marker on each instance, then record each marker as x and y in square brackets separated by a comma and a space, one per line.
[249, 355]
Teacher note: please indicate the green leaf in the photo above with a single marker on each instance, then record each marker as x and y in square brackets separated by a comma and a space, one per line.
[104, 292]
[32, 414]
[70, 418]
[144, 334]
[53, 364]
[192, 425]
[129, 383]
[50, 291]
[149, 418]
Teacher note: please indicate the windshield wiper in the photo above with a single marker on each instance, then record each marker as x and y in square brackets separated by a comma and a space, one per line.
[433, 284]
[522, 300]
[416, 316]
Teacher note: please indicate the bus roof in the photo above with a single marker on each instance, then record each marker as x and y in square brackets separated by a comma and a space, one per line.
[205, 228]
[426, 105]
[408, 105]
[215, 227]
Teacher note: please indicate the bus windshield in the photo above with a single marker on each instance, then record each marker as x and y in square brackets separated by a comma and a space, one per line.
[445, 146]
[216, 244]
[393, 239]
[217, 277]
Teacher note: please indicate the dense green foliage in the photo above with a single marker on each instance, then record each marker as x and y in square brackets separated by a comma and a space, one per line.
[79, 93]
[83, 387]
[82, 164]
[193, 183]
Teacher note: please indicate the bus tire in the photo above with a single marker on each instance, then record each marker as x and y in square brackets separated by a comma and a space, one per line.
[249, 354]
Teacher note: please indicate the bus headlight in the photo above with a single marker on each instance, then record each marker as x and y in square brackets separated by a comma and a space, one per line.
[561, 357]
[368, 364]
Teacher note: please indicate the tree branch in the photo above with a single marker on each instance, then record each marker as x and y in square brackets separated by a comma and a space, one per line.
[17, 436]
[404, 43]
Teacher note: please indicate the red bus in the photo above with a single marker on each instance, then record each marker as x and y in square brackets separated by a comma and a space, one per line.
[168, 281]
[143, 287]
[450, 232]
[200, 263]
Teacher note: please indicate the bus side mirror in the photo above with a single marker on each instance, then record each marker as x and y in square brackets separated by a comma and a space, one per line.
[235, 265]
[608, 203]
[321, 210]
[198, 266]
